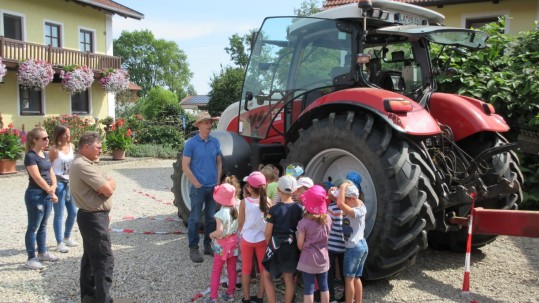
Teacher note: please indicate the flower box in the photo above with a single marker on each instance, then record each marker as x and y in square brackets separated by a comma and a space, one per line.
[77, 79]
[35, 74]
[114, 80]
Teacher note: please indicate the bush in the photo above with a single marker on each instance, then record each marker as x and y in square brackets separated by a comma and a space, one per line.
[76, 124]
[152, 150]
[166, 135]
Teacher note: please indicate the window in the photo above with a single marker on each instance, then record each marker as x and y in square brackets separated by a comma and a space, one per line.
[52, 34]
[13, 27]
[31, 102]
[80, 103]
[478, 22]
[86, 41]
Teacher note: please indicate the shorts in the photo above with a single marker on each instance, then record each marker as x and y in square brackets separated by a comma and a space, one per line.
[354, 259]
[285, 260]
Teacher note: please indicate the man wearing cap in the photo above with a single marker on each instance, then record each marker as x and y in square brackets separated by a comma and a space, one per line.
[202, 164]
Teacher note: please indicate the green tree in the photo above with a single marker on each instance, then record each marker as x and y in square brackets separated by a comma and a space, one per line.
[152, 62]
[307, 8]
[237, 49]
[225, 89]
[160, 104]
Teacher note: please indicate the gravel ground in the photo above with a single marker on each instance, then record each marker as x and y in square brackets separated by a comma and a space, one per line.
[156, 267]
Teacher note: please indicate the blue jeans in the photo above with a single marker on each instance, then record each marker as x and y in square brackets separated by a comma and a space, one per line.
[38, 205]
[64, 200]
[201, 197]
[308, 282]
[354, 259]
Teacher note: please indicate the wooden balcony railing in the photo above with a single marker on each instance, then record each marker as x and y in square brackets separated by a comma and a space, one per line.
[16, 51]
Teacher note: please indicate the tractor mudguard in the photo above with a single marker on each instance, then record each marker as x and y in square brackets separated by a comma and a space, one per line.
[466, 116]
[236, 153]
[417, 122]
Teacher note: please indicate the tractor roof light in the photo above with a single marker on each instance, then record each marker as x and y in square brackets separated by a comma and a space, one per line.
[398, 105]
[489, 109]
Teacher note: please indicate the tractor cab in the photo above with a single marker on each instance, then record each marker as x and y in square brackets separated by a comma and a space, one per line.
[297, 60]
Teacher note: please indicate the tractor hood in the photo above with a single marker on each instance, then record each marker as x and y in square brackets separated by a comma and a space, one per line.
[452, 36]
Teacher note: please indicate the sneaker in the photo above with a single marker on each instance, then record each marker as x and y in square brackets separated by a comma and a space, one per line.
[195, 256]
[47, 257]
[224, 285]
[255, 299]
[33, 264]
[207, 249]
[227, 297]
[210, 300]
[62, 248]
[71, 243]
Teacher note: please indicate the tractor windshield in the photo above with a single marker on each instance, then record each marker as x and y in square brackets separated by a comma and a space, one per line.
[290, 57]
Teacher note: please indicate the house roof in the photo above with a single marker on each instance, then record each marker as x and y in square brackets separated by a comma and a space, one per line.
[195, 101]
[111, 7]
[333, 3]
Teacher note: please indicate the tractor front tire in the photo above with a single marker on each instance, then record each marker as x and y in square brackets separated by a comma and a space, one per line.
[396, 184]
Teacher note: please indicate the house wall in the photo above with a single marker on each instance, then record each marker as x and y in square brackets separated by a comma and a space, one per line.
[71, 16]
[523, 13]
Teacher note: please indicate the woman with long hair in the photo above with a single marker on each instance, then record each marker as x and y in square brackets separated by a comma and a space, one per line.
[38, 197]
[61, 156]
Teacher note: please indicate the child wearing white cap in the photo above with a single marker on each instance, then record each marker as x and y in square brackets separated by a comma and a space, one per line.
[282, 254]
[356, 248]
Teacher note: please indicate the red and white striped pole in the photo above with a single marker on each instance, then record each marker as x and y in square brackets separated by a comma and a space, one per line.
[466, 283]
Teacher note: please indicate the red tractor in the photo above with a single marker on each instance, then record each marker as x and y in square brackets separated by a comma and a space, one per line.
[353, 88]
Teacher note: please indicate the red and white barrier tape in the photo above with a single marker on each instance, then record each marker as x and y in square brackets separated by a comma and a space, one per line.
[466, 282]
[166, 219]
[152, 197]
[133, 231]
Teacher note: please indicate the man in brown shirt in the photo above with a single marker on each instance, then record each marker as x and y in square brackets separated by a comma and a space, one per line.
[92, 192]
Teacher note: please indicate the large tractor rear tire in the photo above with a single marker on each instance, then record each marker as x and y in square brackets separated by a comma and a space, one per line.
[396, 184]
[503, 165]
[180, 188]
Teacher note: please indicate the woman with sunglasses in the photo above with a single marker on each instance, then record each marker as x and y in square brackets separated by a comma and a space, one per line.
[38, 197]
[61, 156]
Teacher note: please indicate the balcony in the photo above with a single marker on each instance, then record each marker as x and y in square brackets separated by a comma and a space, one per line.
[14, 52]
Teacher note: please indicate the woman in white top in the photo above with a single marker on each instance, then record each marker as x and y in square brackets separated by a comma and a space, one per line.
[252, 225]
[61, 155]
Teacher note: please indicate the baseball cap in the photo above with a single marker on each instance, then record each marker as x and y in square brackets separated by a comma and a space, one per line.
[201, 116]
[314, 200]
[255, 179]
[350, 192]
[356, 178]
[294, 169]
[287, 184]
[225, 194]
[305, 181]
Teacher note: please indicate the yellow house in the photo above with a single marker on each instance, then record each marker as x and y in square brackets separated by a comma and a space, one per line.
[520, 14]
[63, 33]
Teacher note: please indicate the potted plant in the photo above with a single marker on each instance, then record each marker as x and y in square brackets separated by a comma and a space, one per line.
[76, 79]
[119, 138]
[114, 80]
[11, 148]
[35, 74]
[3, 70]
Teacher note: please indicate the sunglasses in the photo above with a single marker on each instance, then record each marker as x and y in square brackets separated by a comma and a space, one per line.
[44, 138]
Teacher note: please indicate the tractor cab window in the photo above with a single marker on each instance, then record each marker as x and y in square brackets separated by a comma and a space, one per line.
[392, 67]
[290, 57]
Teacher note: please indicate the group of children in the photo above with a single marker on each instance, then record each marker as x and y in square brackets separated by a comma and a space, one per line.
[299, 231]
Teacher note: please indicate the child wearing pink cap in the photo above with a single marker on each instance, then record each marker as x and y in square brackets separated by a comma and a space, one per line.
[313, 233]
[253, 209]
[224, 241]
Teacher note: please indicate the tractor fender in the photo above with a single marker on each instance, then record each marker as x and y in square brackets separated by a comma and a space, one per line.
[236, 153]
[417, 122]
[466, 116]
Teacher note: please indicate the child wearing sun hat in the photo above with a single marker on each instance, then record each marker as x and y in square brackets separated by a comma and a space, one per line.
[313, 233]
[253, 209]
[224, 241]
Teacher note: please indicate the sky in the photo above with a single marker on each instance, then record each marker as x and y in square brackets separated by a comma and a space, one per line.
[201, 28]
